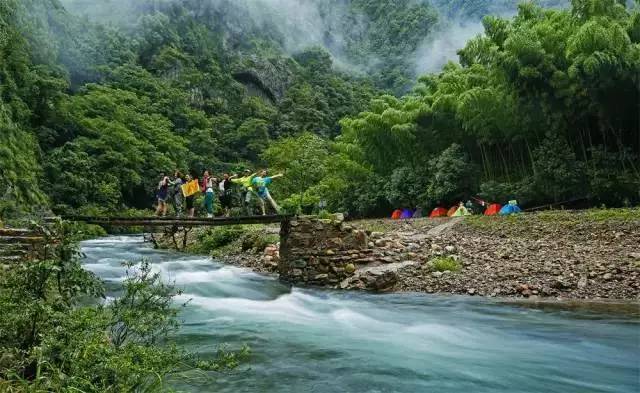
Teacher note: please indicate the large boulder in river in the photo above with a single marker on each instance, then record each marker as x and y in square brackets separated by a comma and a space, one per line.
[267, 78]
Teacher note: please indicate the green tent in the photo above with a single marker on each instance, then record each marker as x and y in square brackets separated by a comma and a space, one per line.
[462, 211]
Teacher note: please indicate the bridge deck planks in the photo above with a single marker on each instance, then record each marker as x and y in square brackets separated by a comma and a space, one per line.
[174, 221]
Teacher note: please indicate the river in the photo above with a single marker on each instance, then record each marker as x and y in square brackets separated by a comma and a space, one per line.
[308, 340]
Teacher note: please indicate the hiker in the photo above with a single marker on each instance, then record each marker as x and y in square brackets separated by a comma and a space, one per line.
[225, 194]
[189, 200]
[209, 194]
[260, 184]
[162, 194]
[247, 190]
[176, 185]
[205, 180]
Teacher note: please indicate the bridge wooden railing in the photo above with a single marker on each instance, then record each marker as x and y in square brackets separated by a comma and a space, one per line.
[173, 221]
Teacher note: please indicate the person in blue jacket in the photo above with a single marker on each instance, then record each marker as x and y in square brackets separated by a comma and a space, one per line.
[260, 185]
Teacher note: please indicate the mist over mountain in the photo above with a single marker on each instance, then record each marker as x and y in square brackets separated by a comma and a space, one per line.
[360, 35]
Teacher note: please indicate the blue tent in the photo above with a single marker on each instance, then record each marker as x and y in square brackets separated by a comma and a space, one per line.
[509, 209]
[406, 213]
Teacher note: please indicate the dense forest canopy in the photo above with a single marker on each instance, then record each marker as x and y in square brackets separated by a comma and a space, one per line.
[98, 99]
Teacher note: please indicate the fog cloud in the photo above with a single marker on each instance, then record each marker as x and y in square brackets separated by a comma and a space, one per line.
[300, 24]
[442, 47]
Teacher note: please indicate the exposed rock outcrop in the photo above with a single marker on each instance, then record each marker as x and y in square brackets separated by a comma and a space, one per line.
[267, 78]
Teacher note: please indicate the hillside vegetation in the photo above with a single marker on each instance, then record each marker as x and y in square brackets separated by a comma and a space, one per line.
[97, 100]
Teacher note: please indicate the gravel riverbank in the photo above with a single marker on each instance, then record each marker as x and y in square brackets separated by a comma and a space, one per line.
[552, 255]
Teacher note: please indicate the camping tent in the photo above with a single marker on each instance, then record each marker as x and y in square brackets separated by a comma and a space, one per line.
[406, 213]
[396, 214]
[438, 212]
[462, 211]
[493, 209]
[418, 213]
[510, 209]
[452, 211]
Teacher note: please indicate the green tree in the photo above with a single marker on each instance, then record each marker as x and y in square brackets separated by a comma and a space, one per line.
[452, 176]
[304, 160]
[557, 173]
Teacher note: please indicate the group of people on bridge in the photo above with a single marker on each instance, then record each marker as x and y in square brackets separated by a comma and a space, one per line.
[180, 191]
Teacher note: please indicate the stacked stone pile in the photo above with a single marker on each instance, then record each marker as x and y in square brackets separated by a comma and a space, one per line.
[19, 245]
[320, 251]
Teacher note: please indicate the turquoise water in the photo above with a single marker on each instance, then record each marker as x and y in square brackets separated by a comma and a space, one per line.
[306, 340]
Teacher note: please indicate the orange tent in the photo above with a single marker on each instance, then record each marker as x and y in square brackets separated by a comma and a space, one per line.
[452, 211]
[438, 212]
[493, 209]
[396, 214]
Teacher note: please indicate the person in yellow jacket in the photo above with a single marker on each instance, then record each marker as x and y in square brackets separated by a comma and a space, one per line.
[247, 189]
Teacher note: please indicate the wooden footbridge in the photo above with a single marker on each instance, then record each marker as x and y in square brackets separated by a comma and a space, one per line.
[26, 244]
[183, 222]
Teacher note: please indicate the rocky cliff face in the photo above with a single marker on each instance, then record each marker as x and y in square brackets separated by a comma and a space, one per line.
[268, 78]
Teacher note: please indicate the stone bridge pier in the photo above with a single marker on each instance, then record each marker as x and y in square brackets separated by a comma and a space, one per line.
[320, 252]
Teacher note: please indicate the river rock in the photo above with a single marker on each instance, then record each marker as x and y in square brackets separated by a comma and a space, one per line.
[376, 235]
[299, 263]
[582, 282]
[380, 242]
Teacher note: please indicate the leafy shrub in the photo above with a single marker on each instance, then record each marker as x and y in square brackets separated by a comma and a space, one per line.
[452, 176]
[406, 186]
[557, 174]
[493, 191]
[612, 187]
[441, 264]
[258, 240]
[50, 343]
[217, 237]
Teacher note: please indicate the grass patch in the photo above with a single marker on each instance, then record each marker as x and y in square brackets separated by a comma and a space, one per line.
[383, 226]
[441, 264]
[258, 240]
[565, 218]
[232, 240]
[627, 214]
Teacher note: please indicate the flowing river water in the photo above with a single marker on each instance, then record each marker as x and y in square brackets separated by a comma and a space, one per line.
[308, 340]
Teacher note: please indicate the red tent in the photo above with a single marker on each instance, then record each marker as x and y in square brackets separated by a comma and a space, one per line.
[493, 209]
[396, 214]
[438, 212]
[452, 211]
